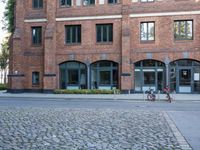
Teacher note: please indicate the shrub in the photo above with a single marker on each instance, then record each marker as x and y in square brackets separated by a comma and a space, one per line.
[3, 87]
[86, 91]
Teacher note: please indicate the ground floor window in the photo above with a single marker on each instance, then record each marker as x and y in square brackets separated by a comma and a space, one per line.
[104, 75]
[149, 74]
[73, 75]
[185, 76]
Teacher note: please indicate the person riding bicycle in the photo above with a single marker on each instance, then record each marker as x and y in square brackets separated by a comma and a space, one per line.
[167, 91]
[150, 94]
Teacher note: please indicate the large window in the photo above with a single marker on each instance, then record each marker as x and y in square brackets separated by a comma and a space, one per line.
[183, 30]
[73, 34]
[112, 1]
[88, 2]
[73, 75]
[67, 3]
[149, 74]
[36, 35]
[147, 32]
[104, 33]
[35, 78]
[37, 4]
[104, 75]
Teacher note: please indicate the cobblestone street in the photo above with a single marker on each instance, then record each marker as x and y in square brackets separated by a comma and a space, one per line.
[84, 129]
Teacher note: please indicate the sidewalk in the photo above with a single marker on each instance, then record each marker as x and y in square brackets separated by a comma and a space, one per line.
[176, 97]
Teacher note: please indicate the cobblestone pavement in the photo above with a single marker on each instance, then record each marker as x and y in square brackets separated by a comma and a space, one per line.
[84, 129]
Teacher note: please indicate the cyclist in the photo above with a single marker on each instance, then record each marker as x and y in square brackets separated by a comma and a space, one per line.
[167, 91]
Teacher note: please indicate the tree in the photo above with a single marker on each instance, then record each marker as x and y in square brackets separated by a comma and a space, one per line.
[9, 16]
[4, 56]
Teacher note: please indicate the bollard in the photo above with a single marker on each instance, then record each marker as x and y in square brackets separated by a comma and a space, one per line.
[144, 95]
[159, 95]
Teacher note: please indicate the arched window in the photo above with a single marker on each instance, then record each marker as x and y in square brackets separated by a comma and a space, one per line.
[185, 76]
[73, 75]
[104, 75]
[149, 74]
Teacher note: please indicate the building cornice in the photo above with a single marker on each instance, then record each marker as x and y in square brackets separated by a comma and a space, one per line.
[35, 20]
[89, 18]
[165, 14]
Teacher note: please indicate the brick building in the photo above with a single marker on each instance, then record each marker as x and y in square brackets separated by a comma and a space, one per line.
[106, 44]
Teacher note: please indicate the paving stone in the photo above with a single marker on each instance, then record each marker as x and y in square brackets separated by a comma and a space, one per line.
[84, 129]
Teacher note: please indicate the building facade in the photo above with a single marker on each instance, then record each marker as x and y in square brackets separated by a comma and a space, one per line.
[106, 44]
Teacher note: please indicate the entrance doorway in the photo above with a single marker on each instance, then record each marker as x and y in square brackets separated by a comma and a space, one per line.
[185, 76]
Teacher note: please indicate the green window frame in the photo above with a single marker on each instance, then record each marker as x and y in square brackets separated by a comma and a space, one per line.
[104, 33]
[66, 3]
[37, 4]
[73, 34]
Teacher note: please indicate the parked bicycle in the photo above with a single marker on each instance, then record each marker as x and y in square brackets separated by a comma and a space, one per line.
[150, 94]
[167, 91]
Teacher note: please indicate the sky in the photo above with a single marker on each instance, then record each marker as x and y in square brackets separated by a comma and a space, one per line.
[2, 32]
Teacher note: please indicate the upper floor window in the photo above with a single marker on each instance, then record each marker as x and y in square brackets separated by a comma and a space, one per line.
[88, 2]
[37, 3]
[147, 0]
[112, 1]
[36, 35]
[67, 3]
[147, 31]
[183, 30]
[104, 32]
[35, 78]
[73, 34]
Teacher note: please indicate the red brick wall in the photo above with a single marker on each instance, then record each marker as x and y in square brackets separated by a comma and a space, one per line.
[126, 48]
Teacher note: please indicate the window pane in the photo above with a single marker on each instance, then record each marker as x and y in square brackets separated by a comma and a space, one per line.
[138, 79]
[189, 29]
[144, 31]
[98, 33]
[105, 78]
[150, 31]
[36, 35]
[73, 76]
[149, 78]
[35, 78]
[110, 33]
[105, 34]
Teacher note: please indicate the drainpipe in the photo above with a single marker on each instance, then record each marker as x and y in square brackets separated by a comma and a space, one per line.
[167, 74]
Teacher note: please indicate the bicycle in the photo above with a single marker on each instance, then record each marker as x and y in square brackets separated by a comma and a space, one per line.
[150, 95]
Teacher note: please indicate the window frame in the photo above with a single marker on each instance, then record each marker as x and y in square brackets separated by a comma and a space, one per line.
[33, 78]
[78, 39]
[154, 33]
[66, 5]
[38, 4]
[185, 31]
[109, 38]
[38, 41]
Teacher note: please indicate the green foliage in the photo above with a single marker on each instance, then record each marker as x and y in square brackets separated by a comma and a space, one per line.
[3, 87]
[9, 16]
[4, 55]
[86, 91]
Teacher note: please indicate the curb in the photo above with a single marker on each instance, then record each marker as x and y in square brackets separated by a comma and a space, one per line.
[180, 138]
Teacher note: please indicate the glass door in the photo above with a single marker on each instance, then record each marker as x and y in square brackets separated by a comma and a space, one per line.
[185, 80]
